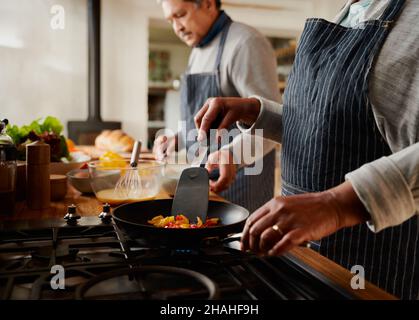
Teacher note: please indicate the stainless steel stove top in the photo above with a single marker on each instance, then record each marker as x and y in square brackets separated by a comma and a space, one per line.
[98, 261]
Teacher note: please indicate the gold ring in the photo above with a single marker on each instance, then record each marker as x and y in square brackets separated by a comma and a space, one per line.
[277, 229]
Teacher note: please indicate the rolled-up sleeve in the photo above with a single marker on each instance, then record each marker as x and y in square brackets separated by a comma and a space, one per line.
[254, 77]
[389, 188]
[269, 120]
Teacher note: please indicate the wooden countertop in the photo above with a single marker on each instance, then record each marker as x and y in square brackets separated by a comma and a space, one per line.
[88, 205]
[339, 275]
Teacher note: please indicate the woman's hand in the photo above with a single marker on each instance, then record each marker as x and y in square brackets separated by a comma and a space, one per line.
[286, 222]
[230, 110]
[223, 160]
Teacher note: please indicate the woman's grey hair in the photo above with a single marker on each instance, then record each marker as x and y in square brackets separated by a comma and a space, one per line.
[198, 2]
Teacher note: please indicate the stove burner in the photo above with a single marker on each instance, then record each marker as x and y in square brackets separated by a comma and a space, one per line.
[62, 252]
[102, 262]
[115, 284]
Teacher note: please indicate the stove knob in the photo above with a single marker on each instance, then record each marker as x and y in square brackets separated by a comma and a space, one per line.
[106, 215]
[71, 215]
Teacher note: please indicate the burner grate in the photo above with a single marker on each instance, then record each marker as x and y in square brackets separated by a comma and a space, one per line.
[92, 253]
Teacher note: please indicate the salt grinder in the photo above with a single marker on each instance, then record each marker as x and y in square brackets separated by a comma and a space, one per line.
[38, 194]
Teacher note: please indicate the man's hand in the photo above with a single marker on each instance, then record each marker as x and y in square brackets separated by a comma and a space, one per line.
[231, 110]
[286, 222]
[164, 146]
[222, 159]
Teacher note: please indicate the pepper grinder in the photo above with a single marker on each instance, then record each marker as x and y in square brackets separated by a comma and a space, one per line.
[38, 194]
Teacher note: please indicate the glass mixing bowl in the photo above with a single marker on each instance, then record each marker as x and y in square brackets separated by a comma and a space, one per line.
[116, 182]
[171, 176]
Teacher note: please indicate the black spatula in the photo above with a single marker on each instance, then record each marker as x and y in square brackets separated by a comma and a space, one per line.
[191, 196]
[192, 191]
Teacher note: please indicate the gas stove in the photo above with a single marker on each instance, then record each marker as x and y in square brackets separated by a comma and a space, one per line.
[93, 259]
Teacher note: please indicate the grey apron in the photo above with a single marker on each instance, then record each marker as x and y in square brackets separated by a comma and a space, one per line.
[330, 130]
[248, 191]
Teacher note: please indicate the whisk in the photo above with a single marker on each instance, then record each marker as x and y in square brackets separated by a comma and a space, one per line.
[129, 185]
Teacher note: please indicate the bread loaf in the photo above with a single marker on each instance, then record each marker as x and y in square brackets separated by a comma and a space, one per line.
[114, 140]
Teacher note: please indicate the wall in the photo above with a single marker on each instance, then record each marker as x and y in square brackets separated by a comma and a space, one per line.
[125, 66]
[43, 71]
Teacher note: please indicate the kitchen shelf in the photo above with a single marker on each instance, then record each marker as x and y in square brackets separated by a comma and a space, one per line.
[160, 86]
[156, 124]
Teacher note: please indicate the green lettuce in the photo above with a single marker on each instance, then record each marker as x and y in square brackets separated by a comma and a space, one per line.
[40, 129]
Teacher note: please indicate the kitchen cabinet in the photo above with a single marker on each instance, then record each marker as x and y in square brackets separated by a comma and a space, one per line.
[157, 100]
[285, 54]
[168, 59]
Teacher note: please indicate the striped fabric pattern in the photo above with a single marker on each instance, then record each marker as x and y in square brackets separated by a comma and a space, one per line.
[330, 130]
[247, 191]
[253, 191]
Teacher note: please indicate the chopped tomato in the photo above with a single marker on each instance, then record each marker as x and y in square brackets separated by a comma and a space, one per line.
[211, 222]
[181, 222]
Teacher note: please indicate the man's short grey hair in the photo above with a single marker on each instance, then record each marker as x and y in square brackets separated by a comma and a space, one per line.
[198, 2]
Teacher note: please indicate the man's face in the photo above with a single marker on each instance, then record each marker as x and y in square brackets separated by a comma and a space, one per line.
[190, 22]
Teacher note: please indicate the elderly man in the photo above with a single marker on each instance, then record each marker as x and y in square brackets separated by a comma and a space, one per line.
[228, 59]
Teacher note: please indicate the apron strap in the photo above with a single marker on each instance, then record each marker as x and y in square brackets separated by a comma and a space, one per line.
[221, 46]
[392, 10]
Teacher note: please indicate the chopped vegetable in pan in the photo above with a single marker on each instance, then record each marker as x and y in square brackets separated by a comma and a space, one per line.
[181, 222]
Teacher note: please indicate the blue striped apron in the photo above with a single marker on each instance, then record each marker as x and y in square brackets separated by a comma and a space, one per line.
[248, 191]
[330, 130]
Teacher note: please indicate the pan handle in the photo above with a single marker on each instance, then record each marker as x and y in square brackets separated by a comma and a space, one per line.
[233, 238]
[238, 237]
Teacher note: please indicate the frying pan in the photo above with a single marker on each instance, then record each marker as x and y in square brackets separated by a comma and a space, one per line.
[132, 219]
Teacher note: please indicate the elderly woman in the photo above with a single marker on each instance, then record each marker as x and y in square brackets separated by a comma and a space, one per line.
[349, 127]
